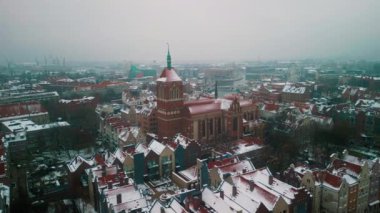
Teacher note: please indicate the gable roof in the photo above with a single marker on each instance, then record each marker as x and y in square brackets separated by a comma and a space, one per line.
[169, 75]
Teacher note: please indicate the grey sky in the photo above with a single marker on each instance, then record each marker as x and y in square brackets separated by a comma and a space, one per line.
[196, 29]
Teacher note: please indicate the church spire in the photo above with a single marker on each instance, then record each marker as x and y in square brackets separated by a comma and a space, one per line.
[216, 89]
[169, 59]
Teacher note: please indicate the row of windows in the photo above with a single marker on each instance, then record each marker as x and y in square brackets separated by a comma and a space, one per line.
[174, 93]
[207, 126]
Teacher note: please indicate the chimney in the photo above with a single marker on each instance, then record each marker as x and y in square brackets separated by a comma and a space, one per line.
[109, 185]
[270, 179]
[118, 198]
[234, 190]
[122, 183]
[251, 185]
[104, 170]
[221, 194]
[244, 170]
[162, 209]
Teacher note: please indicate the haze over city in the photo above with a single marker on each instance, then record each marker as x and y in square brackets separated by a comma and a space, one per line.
[196, 30]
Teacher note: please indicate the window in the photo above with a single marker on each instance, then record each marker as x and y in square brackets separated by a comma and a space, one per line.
[219, 125]
[235, 124]
[203, 128]
[211, 126]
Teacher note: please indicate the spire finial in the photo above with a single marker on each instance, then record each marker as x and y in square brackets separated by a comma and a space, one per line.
[169, 58]
[216, 90]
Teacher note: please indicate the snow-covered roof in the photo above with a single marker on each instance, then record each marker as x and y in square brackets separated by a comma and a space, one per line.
[294, 89]
[29, 126]
[156, 146]
[77, 162]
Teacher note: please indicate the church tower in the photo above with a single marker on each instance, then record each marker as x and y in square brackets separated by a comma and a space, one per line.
[169, 101]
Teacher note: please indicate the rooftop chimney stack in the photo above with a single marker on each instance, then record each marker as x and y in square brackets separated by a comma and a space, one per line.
[251, 185]
[118, 198]
[270, 179]
[234, 190]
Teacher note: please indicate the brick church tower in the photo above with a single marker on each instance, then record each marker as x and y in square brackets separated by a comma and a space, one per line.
[234, 120]
[169, 101]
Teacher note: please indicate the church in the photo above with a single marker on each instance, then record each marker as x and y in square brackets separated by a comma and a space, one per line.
[207, 120]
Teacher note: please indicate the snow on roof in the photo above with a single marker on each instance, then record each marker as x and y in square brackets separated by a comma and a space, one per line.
[131, 198]
[181, 140]
[28, 125]
[141, 148]
[190, 173]
[217, 203]
[169, 75]
[353, 169]
[350, 180]
[120, 155]
[173, 207]
[240, 199]
[237, 168]
[126, 133]
[241, 146]
[77, 162]
[5, 193]
[77, 101]
[259, 194]
[156, 146]
[268, 188]
[294, 89]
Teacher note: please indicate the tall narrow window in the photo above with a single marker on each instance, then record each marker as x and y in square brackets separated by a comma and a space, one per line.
[219, 125]
[211, 126]
[235, 124]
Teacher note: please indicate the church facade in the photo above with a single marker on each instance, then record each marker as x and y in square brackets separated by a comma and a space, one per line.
[207, 119]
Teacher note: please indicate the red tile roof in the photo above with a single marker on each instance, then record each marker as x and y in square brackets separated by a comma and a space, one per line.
[223, 162]
[339, 164]
[327, 177]
[169, 75]
[114, 178]
[205, 108]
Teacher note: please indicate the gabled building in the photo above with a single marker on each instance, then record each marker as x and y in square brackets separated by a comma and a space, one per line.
[130, 135]
[277, 196]
[186, 151]
[230, 199]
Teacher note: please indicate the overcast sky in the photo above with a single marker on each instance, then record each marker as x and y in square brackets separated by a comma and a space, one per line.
[197, 30]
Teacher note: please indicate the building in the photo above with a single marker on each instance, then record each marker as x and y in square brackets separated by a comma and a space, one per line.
[131, 135]
[32, 110]
[186, 151]
[205, 120]
[24, 134]
[25, 97]
[292, 93]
